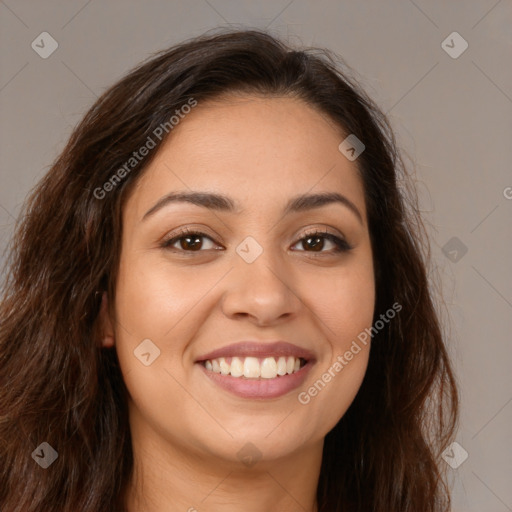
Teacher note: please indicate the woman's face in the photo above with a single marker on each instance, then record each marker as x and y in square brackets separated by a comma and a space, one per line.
[257, 286]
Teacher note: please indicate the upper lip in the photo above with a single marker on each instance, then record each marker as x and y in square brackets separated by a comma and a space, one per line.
[258, 349]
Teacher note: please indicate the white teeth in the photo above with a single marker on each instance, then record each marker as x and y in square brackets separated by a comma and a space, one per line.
[237, 367]
[290, 364]
[251, 368]
[281, 366]
[216, 366]
[269, 368]
[224, 367]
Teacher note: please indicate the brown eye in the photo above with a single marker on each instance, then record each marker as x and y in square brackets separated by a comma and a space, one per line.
[315, 242]
[189, 241]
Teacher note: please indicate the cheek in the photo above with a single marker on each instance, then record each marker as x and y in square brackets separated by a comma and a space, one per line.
[344, 305]
[153, 304]
[351, 314]
[145, 301]
[153, 299]
[344, 302]
[163, 304]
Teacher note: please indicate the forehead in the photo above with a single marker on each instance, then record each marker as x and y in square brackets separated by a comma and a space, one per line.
[258, 150]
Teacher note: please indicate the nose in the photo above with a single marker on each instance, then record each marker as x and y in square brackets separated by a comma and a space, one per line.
[261, 291]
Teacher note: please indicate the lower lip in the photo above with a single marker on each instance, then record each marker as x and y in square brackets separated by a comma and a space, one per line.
[259, 388]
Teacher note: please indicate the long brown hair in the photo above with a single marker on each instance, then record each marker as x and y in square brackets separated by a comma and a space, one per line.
[57, 385]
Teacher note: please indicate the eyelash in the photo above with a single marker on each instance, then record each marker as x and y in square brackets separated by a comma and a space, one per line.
[341, 245]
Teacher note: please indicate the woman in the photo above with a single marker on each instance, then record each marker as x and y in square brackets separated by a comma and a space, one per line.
[218, 300]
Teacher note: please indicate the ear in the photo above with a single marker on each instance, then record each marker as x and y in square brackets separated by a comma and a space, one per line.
[106, 330]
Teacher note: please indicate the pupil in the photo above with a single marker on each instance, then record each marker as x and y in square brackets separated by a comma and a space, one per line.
[192, 245]
[316, 245]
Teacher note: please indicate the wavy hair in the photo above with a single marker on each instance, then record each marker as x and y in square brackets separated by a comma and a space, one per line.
[58, 385]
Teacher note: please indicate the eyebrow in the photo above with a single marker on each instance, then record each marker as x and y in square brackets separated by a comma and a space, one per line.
[222, 203]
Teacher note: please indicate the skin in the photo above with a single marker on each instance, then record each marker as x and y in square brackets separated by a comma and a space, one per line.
[187, 431]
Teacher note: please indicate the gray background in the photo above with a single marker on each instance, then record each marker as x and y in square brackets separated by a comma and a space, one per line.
[452, 117]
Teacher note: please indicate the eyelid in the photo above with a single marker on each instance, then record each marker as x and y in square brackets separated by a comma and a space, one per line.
[322, 230]
[190, 230]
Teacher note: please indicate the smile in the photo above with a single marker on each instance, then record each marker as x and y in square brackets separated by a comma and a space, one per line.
[254, 367]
